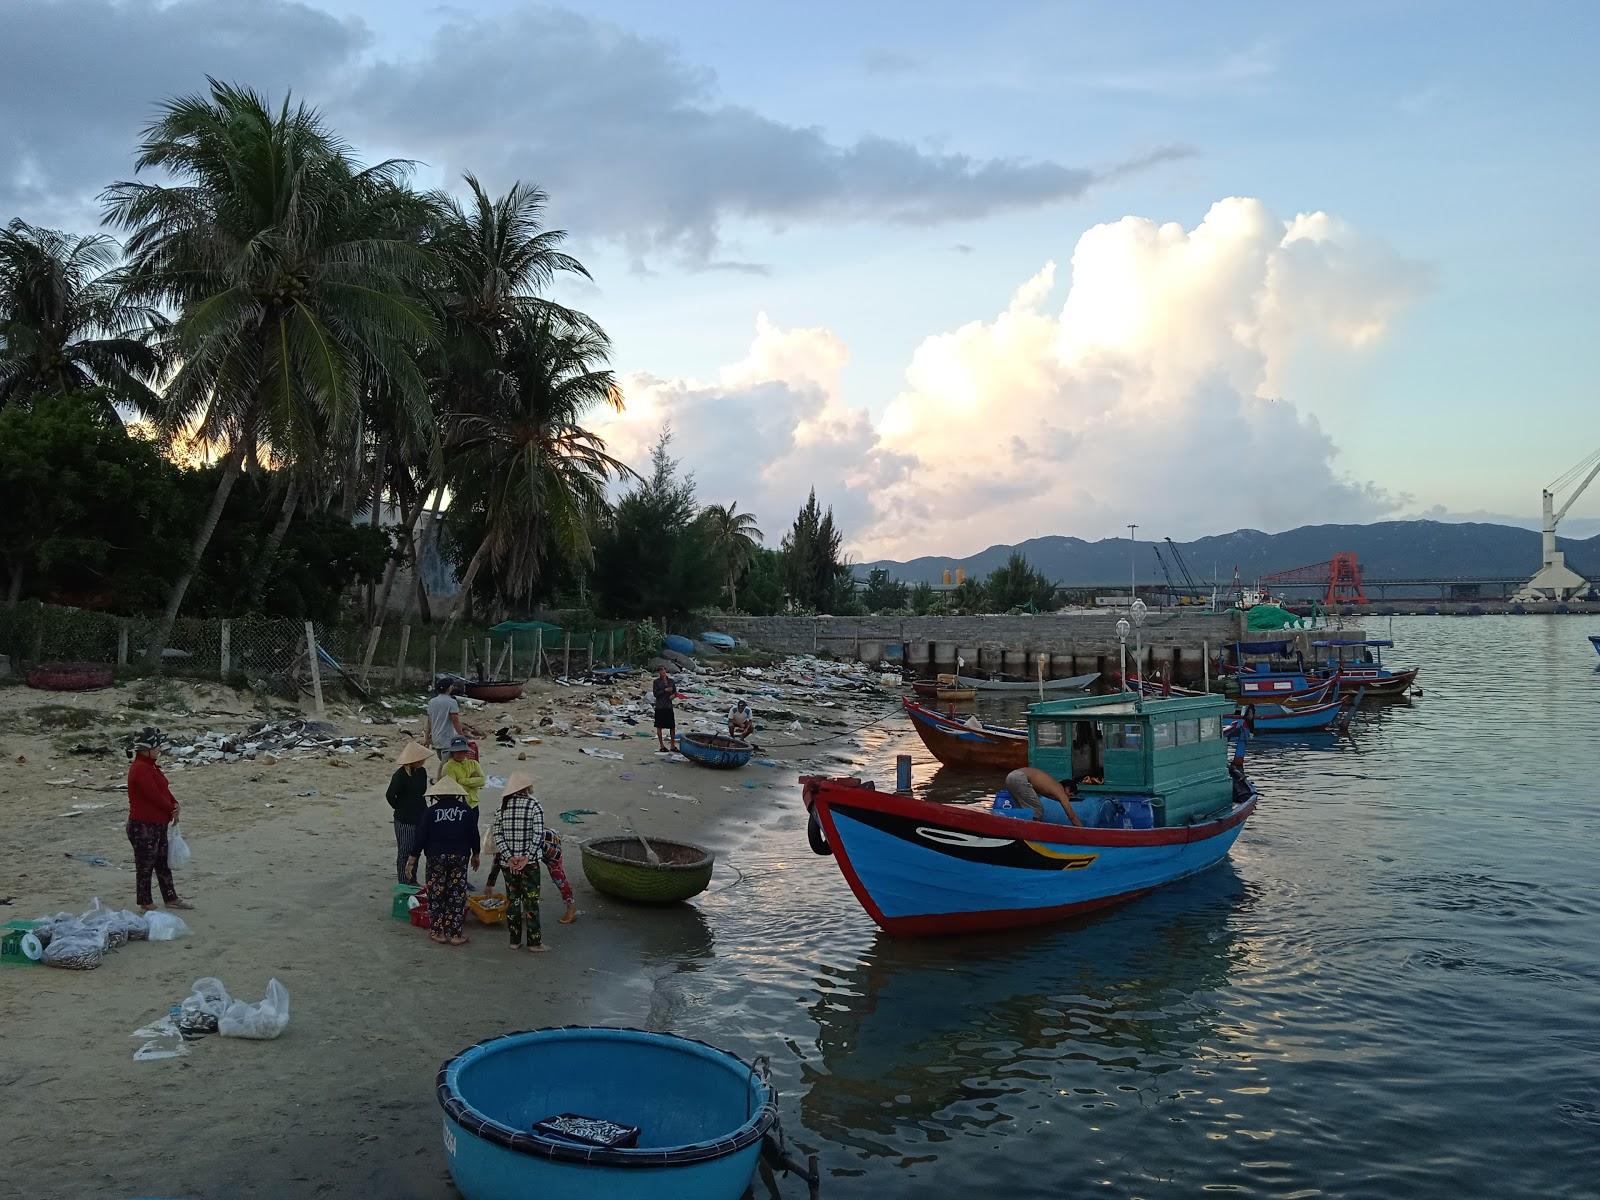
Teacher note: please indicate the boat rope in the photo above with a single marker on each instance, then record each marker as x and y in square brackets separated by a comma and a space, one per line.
[843, 733]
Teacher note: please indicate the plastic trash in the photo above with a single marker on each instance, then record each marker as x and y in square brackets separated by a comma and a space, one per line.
[32, 948]
[594, 753]
[164, 927]
[261, 1022]
[80, 949]
[177, 849]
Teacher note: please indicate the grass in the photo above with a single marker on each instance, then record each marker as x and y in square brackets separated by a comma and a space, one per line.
[64, 717]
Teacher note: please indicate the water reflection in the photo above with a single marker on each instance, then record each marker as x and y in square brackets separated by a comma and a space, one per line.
[922, 1038]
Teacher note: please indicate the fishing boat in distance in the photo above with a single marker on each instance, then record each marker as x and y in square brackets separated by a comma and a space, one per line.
[1164, 805]
[1594, 640]
[1358, 666]
[1071, 683]
[1289, 717]
[968, 745]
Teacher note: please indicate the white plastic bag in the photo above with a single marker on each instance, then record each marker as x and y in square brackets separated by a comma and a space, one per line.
[163, 926]
[80, 950]
[259, 1021]
[177, 849]
[203, 1007]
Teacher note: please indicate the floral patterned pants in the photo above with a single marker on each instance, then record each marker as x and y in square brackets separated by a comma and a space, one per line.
[447, 893]
[149, 842]
[558, 873]
[522, 904]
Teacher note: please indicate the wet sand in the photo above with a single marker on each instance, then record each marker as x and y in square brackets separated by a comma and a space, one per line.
[343, 1102]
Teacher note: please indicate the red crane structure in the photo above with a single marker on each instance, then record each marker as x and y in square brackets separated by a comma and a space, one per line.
[1340, 576]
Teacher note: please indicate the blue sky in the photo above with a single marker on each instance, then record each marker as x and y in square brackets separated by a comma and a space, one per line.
[1454, 143]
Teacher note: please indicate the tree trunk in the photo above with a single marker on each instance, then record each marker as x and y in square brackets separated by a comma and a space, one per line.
[733, 592]
[269, 552]
[466, 588]
[14, 592]
[202, 538]
[352, 481]
[407, 548]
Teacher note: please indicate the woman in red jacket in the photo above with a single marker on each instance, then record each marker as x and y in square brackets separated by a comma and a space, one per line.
[151, 808]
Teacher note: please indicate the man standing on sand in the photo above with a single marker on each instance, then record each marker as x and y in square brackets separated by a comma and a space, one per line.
[444, 718]
[151, 809]
[664, 689]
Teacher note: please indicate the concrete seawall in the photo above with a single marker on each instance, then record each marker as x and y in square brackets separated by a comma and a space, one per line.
[1067, 643]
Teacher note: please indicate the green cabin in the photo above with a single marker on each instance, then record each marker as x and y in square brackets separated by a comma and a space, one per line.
[1171, 750]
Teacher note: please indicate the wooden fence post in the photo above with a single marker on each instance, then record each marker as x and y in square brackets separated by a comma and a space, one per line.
[464, 653]
[372, 649]
[227, 633]
[538, 651]
[566, 659]
[122, 643]
[611, 647]
[488, 653]
[511, 657]
[400, 659]
[433, 659]
[316, 669]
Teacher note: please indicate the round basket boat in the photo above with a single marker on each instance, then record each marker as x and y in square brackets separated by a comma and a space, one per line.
[619, 867]
[612, 1114]
[494, 691]
[70, 677]
[715, 750]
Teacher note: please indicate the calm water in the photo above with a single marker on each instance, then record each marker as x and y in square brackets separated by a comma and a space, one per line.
[1391, 989]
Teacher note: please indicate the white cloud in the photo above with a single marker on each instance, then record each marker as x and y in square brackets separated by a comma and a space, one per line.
[1148, 395]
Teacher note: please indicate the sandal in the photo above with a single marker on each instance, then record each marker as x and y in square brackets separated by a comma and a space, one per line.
[459, 940]
[539, 948]
[436, 939]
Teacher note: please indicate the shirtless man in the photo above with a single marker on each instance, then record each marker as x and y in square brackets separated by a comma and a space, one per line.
[1027, 784]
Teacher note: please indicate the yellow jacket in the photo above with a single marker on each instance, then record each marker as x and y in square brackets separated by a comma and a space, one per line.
[469, 775]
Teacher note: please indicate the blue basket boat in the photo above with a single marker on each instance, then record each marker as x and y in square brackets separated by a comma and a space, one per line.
[697, 1116]
[715, 750]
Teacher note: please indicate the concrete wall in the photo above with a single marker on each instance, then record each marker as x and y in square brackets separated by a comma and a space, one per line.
[1075, 642]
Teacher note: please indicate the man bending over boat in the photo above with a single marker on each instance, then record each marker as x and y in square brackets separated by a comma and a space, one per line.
[1026, 784]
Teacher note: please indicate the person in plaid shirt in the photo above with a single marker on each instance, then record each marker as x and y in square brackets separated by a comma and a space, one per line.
[519, 838]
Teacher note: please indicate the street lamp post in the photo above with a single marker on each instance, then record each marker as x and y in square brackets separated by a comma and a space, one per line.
[1133, 565]
[1122, 647]
[1137, 612]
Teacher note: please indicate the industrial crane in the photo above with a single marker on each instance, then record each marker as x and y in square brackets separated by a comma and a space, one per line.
[1555, 580]
[1172, 592]
[1183, 569]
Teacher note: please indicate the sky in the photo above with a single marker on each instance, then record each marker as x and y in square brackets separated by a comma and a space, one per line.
[977, 273]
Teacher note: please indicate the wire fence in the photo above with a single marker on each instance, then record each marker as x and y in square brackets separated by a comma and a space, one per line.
[275, 654]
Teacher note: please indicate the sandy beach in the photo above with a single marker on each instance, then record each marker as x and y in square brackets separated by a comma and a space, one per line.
[297, 887]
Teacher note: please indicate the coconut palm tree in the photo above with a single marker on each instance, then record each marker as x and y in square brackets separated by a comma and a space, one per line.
[65, 326]
[734, 538]
[526, 462]
[276, 253]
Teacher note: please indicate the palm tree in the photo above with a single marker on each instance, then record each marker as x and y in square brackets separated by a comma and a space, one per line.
[527, 463]
[276, 253]
[64, 325]
[734, 537]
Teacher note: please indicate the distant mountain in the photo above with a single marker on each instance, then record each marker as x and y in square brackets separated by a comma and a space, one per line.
[1386, 550]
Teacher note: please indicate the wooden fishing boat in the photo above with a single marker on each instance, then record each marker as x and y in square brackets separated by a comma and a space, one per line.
[714, 750]
[1284, 687]
[1071, 683]
[967, 747]
[493, 691]
[1294, 718]
[1358, 666]
[1169, 807]
[928, 689]
[950, 690]
[1594, 640]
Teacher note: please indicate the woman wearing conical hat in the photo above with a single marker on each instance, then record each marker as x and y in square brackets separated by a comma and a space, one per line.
[448, 835]
[407, 797]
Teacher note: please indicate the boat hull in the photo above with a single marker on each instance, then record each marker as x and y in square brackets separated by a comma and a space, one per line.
[1376, 681]
[925, 869]
[1594, 640]
[719, 753]
[1275, 718]
[991, 748]
[1073, 683]
[1288, 687]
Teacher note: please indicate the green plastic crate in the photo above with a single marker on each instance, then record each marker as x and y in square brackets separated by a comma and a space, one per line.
[399, 907]
[11, 954]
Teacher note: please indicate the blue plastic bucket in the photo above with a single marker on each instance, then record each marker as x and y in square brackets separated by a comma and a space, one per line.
[1134, 812]
[701, 1112]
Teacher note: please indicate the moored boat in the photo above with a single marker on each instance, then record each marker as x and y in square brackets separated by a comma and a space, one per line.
[1358, 666]
[968, 746]
[1071, 683]
[1594, 640]
[714, 750]
[1294, 718]
[1166, 805]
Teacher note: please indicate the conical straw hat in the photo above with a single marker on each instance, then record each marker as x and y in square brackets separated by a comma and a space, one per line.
[412, 752]
[445, 786]
[519, 781]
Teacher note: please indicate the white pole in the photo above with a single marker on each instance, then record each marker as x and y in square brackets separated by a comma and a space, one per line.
[316, 668]
[1205, 654]
[1133, 566]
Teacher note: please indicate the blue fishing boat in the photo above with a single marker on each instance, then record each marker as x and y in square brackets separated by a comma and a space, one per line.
[1157, 801]
[714, 750]
[1280, 676]
[1357, 664]
[1594, 640]
[1320, 717]
[605, 1114]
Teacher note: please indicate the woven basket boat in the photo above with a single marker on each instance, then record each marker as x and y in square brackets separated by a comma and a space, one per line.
[70, 677]
[494, 691]
[618, 867]
[714, 750]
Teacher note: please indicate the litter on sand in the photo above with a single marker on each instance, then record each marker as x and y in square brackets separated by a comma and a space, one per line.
[575, 816]
[593, 752]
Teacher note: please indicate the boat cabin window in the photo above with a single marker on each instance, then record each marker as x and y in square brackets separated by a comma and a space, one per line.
[1210, 728]
[1188, 732]
[1123, 735]
[1163, 734]
[1050, 733]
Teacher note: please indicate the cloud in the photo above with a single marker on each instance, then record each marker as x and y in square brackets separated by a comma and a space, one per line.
[638, 144]
[879, 61]
[80, 78]
[1148, 395]
[764, 430]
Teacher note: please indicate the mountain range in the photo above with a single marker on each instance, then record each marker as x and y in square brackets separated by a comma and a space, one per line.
[1385, 549]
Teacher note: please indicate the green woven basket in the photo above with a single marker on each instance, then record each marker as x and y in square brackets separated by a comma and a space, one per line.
[618, 867]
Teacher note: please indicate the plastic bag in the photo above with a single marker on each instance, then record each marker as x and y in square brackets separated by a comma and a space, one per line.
[81, 950]
[177, 849]
[202, 1008]
[262, 1021]
[163, 926]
